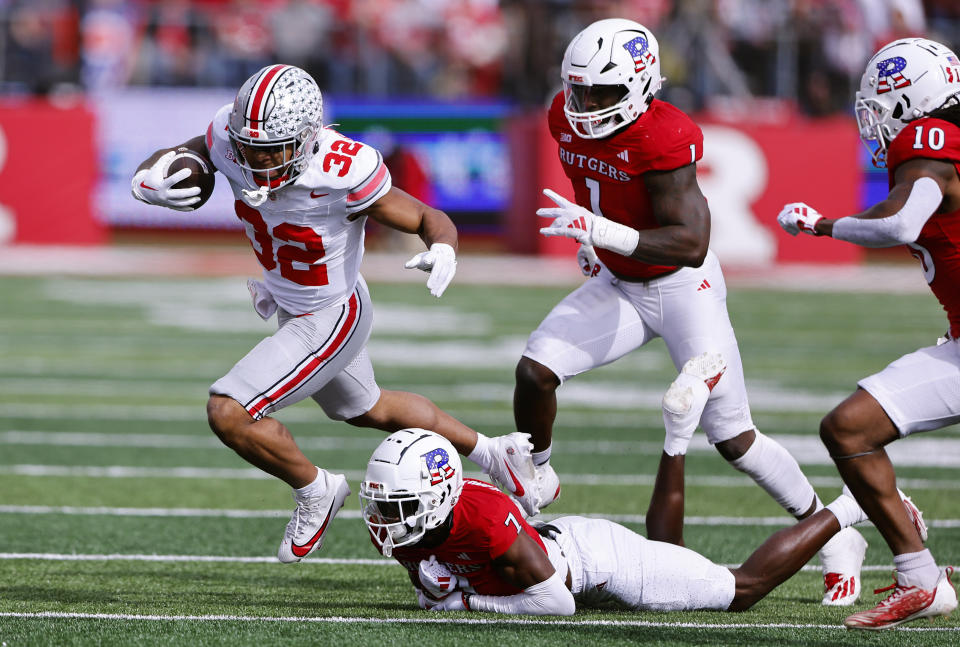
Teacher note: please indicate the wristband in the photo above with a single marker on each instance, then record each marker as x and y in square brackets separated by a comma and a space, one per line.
[614, 236]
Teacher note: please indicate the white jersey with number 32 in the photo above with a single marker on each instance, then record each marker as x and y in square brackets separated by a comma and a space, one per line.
[303, 236]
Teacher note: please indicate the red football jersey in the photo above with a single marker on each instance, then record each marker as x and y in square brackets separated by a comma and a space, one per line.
[485, 523]
[606, 173]
[938, 247]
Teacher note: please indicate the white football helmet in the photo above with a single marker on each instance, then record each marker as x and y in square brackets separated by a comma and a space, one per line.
[611, 70]
[905, 80]
[279, 107]
[413, 480]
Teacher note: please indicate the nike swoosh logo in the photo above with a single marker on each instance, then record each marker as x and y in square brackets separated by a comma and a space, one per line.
[317, 195]
[516, 483]
[144, 185]
[302, 550]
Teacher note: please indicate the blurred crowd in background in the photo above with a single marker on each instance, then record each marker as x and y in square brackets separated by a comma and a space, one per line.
[807, 53]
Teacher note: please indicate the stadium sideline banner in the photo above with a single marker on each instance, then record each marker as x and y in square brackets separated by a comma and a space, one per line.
[48, 170]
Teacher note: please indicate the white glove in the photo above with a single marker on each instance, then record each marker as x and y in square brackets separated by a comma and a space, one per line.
[456, 601]
[797, 216]
[573, 221]
[150, 186]
[588, 261]
[440, 261]
[436, 578]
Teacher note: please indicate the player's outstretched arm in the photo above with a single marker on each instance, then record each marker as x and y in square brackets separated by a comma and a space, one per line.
[401, 211]
[919, 190]
[150, 183]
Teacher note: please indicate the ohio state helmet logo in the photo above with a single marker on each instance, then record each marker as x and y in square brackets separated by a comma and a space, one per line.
[639, 50]
[891, 74]
[438, 464]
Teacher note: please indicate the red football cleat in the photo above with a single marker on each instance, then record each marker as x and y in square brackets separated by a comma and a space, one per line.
[908, 603]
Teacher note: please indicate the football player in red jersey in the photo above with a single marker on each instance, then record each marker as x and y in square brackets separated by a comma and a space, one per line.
[631, 161]
[908, 111]
[467, 546]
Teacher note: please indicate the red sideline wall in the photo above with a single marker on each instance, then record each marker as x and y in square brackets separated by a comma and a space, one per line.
[48, 171]
[748, 173]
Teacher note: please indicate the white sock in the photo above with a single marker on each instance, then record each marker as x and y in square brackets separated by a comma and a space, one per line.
[777, 472]
[847, 511]
[481, 453]
[917, 569]
[315, 488]
[539, 458]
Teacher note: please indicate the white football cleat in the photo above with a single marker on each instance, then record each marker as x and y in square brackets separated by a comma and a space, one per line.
[685, 399]
[512, 469]
[311, 519]
[548, 485]
[841, 559]
[707, 366]
[908, 603]
[916, 516]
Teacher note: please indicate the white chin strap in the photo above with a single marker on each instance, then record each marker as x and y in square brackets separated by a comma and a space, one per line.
[255, 197]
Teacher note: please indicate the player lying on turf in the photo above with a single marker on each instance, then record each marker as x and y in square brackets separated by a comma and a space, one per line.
[467, 547]
[304, 192]
[908, 110]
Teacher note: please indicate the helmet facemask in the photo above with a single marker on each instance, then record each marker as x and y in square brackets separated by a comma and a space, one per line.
[397, 518]
[296, 155]
[873, 122]
[597, 122]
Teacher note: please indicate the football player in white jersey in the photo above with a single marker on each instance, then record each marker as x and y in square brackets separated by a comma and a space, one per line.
[303, 193]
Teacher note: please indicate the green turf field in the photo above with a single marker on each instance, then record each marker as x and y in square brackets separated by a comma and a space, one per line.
[123, 521]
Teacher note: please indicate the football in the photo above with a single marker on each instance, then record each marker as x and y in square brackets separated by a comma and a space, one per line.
[202, 173]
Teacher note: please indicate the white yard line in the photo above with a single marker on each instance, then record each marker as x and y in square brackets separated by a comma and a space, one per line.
[692, 520]
[314, 561]
[430, 619]
[252, 473]
[921, 450]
